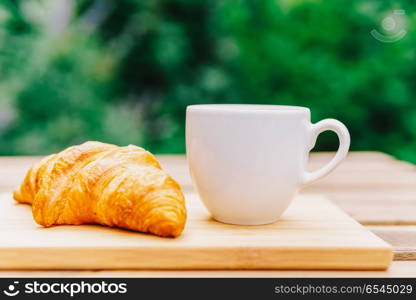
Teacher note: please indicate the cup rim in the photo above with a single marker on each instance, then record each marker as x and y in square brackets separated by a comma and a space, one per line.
[247, 108]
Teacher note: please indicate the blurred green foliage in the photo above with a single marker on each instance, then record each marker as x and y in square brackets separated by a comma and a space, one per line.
[124, 71]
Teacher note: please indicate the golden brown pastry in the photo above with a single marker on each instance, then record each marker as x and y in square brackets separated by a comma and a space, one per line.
[105, 184]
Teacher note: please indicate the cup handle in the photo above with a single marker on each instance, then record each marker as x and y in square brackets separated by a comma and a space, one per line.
[344, 144]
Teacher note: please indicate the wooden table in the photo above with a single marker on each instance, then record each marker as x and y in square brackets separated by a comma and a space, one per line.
[374, 188]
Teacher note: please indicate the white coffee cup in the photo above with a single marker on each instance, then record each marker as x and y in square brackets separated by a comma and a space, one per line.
[248, 162]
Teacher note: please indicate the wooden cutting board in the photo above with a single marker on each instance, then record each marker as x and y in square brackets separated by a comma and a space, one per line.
[312, 234]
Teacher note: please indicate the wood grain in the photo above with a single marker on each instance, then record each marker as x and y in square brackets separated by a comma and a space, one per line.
[372, 187]
[399, 269]
[362, 169]
[402, 238]
[393, 208]
[312, 234]
[358, 170]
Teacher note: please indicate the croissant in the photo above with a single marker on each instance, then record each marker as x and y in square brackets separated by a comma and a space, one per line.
[101, 183]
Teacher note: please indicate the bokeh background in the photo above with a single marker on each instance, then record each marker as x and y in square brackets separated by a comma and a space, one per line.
[124, 71]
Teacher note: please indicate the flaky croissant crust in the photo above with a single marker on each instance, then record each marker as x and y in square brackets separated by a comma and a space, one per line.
[101, 183]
